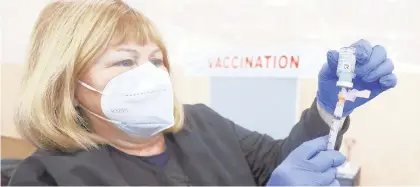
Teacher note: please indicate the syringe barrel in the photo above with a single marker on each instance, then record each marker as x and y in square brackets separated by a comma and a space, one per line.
[346, 67]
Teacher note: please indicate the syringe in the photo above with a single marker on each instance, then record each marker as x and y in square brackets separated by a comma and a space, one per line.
[345, 73]
[343, 96]
[337, 118]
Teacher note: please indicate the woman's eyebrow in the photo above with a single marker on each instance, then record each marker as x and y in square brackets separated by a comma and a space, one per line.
[127, 50]
[136, 54]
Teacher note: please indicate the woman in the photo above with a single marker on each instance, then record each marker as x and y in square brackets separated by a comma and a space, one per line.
[97, 101]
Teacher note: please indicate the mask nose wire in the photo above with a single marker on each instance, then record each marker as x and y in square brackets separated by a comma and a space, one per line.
[89, 87]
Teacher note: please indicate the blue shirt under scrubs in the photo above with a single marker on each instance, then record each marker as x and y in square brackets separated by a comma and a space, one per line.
[159, 160]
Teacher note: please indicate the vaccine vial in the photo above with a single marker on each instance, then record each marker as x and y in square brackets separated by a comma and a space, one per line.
[346, 67]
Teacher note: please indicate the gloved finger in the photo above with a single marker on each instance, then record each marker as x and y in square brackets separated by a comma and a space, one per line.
[327, 73]
[311, 148]
[335, 183]
[383, 69]
[363, 51]
[378, 56]
[328, 176]
[332, 60]
[327, 159]
[388, 81]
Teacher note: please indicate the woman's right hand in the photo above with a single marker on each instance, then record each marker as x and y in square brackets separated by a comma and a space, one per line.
[309, 164]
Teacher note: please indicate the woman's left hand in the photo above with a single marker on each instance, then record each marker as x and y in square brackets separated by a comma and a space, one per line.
[373, 72]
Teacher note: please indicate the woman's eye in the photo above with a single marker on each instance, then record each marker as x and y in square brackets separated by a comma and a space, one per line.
[156, 61]
[126, 63]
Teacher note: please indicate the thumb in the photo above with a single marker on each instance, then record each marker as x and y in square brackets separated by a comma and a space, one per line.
[311, 148]
[327, 159]
[332, 59]
[329, 69]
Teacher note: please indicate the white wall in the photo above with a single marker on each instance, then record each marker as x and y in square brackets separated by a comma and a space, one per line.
[17, 20]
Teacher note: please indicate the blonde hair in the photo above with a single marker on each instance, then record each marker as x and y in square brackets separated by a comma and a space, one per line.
[67, 37]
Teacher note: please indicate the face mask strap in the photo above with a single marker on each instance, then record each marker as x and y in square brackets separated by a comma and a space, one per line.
[89, 87]
[100, 117]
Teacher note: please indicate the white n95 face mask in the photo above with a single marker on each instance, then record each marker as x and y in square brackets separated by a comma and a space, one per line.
[140, 101]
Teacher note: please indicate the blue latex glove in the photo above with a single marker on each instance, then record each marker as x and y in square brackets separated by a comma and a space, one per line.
[309, 164]
[373, 72]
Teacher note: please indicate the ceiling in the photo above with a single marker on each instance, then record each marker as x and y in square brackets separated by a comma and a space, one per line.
[393, 23]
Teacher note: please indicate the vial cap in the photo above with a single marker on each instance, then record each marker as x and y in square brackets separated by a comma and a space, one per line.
[345, 84]
[345, 80]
